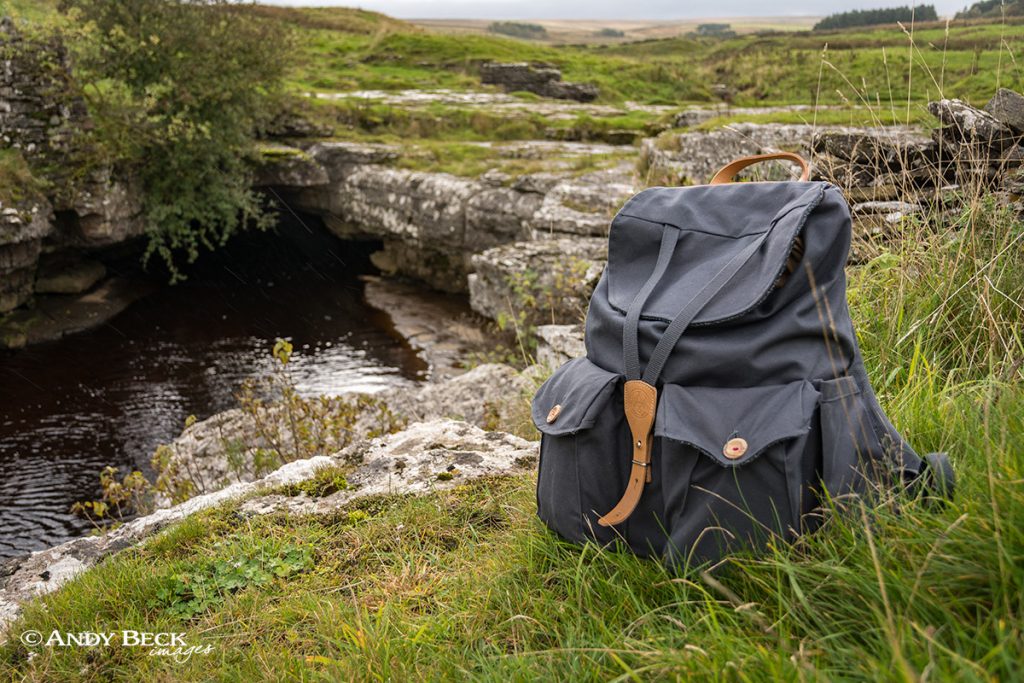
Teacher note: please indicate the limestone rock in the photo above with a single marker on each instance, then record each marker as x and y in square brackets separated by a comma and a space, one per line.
[431, 224]
[281, 165]
[428, 456]
[1007, 107]
[692, 158]
[206, 453]
[544, 80]
[966, 124]
[544, 281]
[22, 230]
[483, 396]
[338, 158]
[583, 205]
[104, 210]
[68, 276]
[559, 344]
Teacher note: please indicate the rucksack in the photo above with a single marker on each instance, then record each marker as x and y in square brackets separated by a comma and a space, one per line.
[722, 400]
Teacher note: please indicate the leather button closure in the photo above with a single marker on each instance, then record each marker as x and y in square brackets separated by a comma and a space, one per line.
[735, 448]
[554, 413]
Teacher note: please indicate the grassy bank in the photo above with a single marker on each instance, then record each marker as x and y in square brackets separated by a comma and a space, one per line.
[468, 584]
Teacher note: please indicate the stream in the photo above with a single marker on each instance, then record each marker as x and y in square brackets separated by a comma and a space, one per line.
[109, 396]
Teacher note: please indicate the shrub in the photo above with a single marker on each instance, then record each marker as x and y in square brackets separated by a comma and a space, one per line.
[178, 90]
[519, 30]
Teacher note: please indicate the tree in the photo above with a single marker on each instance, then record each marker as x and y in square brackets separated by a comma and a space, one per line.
[178, 90]
[871, 17]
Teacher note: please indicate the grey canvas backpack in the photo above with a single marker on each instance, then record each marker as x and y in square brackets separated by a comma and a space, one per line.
[722, 399]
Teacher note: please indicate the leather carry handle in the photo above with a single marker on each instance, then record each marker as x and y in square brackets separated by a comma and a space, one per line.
[727, 174]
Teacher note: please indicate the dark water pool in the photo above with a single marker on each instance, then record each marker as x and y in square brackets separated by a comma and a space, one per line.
[111, 395]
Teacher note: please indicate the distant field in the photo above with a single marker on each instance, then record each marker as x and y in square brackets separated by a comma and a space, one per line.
[586, 31]
[772, 60]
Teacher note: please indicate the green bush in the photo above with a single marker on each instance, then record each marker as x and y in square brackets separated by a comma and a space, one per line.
[178, 90]
[519, 30]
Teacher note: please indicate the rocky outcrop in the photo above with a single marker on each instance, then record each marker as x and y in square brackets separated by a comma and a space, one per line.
[23, 227]
[542, 79]
[877, 164]
[978, 149]
[692, 158]
[425, 457]
[432, 224]
[42, 118]
[537, 282]
[851, 157]
[206, 455]
[1007, 107]
[66, 274]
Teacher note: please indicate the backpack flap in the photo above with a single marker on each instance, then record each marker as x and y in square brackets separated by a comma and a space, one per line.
[573, 398]
[716, 222]
[734, 426]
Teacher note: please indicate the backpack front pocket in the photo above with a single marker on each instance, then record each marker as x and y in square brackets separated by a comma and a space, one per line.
[584, 452]
[737, 466]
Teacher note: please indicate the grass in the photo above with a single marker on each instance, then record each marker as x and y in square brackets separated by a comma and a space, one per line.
[865, 63]
[349, 49]
[472, 160]
[28, 10]
[368, 120]
[17, 183]
[853, 116]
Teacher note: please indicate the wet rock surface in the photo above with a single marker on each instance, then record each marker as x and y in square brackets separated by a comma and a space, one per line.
[68, 275]
[54, 316]
[441, 328]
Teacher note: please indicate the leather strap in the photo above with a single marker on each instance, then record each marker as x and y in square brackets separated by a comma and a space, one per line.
[727, 174]
[641, 402]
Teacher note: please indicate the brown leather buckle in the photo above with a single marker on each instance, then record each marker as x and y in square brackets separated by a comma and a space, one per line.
[640, 401]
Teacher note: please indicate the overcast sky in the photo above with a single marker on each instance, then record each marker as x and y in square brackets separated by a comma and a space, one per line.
[613, 9]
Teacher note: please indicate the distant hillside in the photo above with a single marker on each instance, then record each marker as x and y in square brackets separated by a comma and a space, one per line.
[343, 19]
[992, 9]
